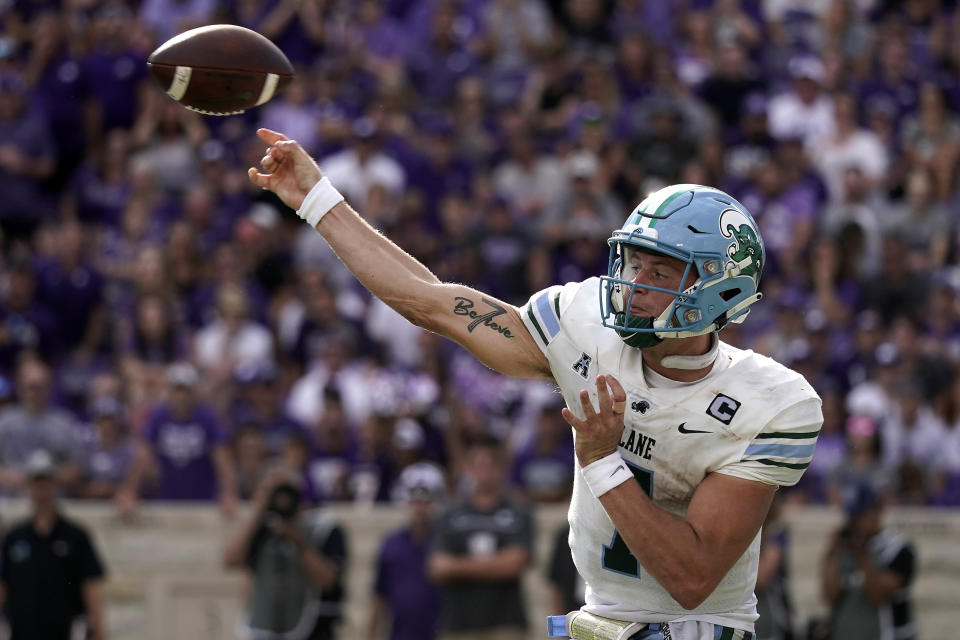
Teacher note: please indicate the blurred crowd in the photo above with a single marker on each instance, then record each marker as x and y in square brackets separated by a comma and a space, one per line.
[169, 331]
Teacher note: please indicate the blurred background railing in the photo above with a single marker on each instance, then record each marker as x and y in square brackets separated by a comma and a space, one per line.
[167, 579]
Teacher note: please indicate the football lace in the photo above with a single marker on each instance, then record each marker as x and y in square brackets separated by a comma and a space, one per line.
[214, 113]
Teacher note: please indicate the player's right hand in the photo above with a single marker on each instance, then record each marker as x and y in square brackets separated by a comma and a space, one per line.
[287, 169]
[598, 434]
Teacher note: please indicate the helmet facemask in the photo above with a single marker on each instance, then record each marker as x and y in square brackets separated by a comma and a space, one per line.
[641, 331]
[722, 288]
[715, 239]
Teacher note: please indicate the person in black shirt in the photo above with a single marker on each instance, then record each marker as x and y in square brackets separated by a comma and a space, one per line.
[868, 573]
[50, 574]
[480, 549]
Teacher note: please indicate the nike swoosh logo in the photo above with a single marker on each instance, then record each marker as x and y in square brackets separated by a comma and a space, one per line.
[615, 470]
[683, 429]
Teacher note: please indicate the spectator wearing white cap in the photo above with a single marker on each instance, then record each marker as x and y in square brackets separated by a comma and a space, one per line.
[403, 595]
[184, 455]
[50, 572]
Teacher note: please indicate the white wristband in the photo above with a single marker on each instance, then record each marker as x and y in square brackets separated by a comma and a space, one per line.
[606, 473]
[318, 201]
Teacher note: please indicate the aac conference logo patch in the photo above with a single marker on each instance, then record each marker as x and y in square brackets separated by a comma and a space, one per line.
[582, 366]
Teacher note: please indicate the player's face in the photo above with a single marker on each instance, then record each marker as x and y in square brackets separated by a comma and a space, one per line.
[656, 270]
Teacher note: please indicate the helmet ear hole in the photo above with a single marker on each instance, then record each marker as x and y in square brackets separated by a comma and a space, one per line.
[730, 294]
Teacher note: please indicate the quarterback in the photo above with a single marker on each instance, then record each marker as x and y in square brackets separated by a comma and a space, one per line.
[681, 440]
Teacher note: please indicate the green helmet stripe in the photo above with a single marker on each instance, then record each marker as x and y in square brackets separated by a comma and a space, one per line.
[646, 220]
[663, 206]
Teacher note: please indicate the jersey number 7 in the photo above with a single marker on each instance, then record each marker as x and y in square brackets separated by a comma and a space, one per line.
[617, 557]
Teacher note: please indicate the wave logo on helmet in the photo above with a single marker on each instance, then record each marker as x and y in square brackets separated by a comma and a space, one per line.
[736, 226]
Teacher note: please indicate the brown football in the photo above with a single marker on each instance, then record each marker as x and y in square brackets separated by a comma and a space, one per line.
[221, 69]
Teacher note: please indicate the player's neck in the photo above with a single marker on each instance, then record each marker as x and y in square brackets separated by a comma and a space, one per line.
[695, 346]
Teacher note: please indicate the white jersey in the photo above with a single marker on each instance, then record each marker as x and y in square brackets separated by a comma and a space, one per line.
[750, 417]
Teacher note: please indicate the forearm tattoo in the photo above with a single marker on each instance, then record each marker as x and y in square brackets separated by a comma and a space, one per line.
[465, 307]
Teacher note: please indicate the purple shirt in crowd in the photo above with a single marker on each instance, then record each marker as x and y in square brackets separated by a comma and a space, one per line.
[72, 296]
[31, 329]
[23, 198]
[402, 582]
[60, 93]
[99, 202]
[293, 39]
[184, 452]
[114, 79]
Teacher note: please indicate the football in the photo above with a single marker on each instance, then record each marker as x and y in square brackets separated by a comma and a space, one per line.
[220, 69]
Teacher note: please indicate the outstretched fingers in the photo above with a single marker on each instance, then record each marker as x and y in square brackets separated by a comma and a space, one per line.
[611, 399]
[270, 136]
[598, 433]
[572, 418]
[587, 405]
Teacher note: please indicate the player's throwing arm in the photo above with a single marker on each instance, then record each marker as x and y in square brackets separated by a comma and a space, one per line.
[489, 328]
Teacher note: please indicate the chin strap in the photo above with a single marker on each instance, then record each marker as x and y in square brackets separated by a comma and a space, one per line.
[692, 363]
[636, 339]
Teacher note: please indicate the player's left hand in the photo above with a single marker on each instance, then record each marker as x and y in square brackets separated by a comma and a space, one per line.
[598, 434]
